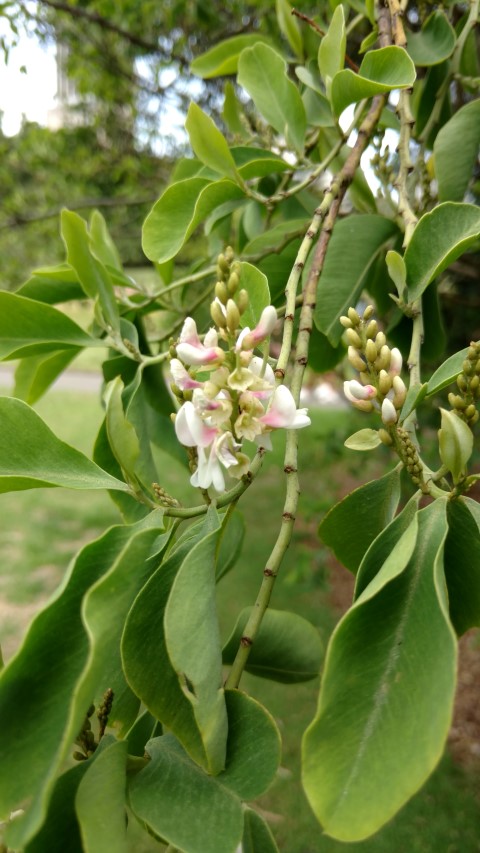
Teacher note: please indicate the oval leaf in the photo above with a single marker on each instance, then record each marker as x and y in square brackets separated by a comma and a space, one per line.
[371, 747]
[100, 802]
[331, 53]
[352, 525]
[208, 143]
[256, 285]
[262, 72]
[287, 649]
[223, 58]
[454, 163]
[462, 566]
[381, 71]
[364, 439]
[447, 372]
[435, 41]
[440, 237]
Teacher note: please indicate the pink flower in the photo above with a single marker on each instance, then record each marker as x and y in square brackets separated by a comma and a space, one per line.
[354, 391]
[190, 348]
[284, 413]
[181, 377]
[264, 328]
[191, 430]
[223, 454]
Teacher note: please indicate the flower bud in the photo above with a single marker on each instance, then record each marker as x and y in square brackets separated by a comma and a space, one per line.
[396, 360]
[372, 329]
[474, 383]
[384, 382]
[223, 264]
[470, 411]
[456, 401]
[380, 340]
[233, 316]
[242, 301]
[354, 391]
[233, 282]
[364, 405]
[462, 382]
[370, 351]
[217, 315]
[455, 440]
[221, 292]
[400, 392]
[389, 412]
[346, 322]
[353, 338]
[354, 358]
[353, 316]
[368, 312]
[385, 437]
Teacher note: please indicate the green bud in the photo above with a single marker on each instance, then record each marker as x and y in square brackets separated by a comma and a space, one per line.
[456, 401]
[365, 378]
[223, 264]
[385, 437]
[474, 383]
[221, 292]
[353, 338]
[353, 316]
[242, 301]
[470, 411]
[354, 358]
[380, 340]
[372, 329]
[79, 756]
[346, 322]
[233, 282]
[217, 315]
[384, 382]
[455, 441]
[370, 351]
[462, 382]
[467, 367]
[368, 312]
[233, 316]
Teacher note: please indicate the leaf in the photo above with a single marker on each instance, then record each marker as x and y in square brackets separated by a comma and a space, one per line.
[287, 649]
[454, 163]
[91, 272]
[191, 613]
[435, 41]
[209, 145]
[101, 242]
[403, 529]
[30, 328]
[257, 837]
[288, 26]
[180, 803]
[352, 525]
[253, 747]
[223, 58]
[364, 439]
[230, 543]
[387, 693]
[257, 163]
[52, 285]
[43, 668]
[415, 395]
[179, 210]
[31, 456]
[35, 374]
[283, 232]
[440, 237]
[262, 72]
[100, 802]
[256, 285]
[397, 271]
[447, 372]
[353, 247]
[322, 356]
[121, 435]
[232, 112]
[169, 698]
[331, 53]
[462, 566]
[381, 71]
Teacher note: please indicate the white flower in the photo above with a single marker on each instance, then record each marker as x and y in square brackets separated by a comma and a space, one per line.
[181, 377]
[396, 361]
[191, 430]
[213, 412]
[284, 413]
[389, 412]
[190, 348]
[223, 453]
[354, 391]
[264, 328]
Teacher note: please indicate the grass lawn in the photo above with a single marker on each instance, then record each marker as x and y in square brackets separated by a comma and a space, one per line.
[42, 529]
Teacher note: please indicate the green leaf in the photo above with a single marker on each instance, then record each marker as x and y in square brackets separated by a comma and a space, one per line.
[317, 108]
[462, 566]
[191, 612]
[364, 439]
[91, 272]
[403, 528]
[177, 213]
[52, 285]
[397, 271]
[353, 247]
[49, 664]
[447, 372]
[456, 150]
[415, 395]
[352, 525]
[232, 112]
[287, 649]
[209, 145]
[283, 232]
[455, 444]
[440, 237]
[31, 456]
[253, 747]
[100, 802]
[30, 328]
[130, 509]
[262, 72]
[256, 285]
[223, 58]
[381, 71]
[257, 163]
[387, 693]
[230, 543]
[288, 26]
[35, 374]
[121, 435]
[257, 837]
[180, 803]
[331, 53]
[435, 41]
[101, 242]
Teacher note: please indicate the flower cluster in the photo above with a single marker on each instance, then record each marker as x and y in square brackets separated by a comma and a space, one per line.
[465, 402]
[381, 386]
[227, 393]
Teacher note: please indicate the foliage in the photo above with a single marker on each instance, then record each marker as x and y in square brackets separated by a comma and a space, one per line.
[137, 611]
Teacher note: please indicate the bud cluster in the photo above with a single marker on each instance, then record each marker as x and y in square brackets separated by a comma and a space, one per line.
[464, 404]
[381, 386]
[163, 497]
[410, 458]
[227, 394]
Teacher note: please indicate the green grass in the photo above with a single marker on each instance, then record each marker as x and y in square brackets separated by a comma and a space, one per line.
[42, 529]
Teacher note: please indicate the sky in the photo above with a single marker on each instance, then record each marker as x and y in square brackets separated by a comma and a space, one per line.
[31, 94]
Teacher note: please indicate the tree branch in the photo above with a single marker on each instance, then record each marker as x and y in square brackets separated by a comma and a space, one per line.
[95, 18]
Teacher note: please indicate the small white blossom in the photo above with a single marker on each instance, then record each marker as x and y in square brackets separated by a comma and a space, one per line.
[190, 348]
[191, 430]
[181, 376]
[283, 412]
[389, 412]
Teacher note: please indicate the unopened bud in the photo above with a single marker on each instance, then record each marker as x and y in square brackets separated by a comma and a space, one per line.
[217, 315]
[385, 437]
[223, 264]
[354, 358]
[233, 316]
[368, 312]
[462, 382]
[396, 360]
[470, 411]
[389, 412]
[384, 382]
[242, 301]
[346, 322]
[455, 440]
[353, 316]
[353, 338]
[468, 367]
[380, 340]
[364, 405]
[370, 351]
[372, 329]
[456, 401]
[221, 292]
[233, 282]
[400, 392]
[474, 383]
